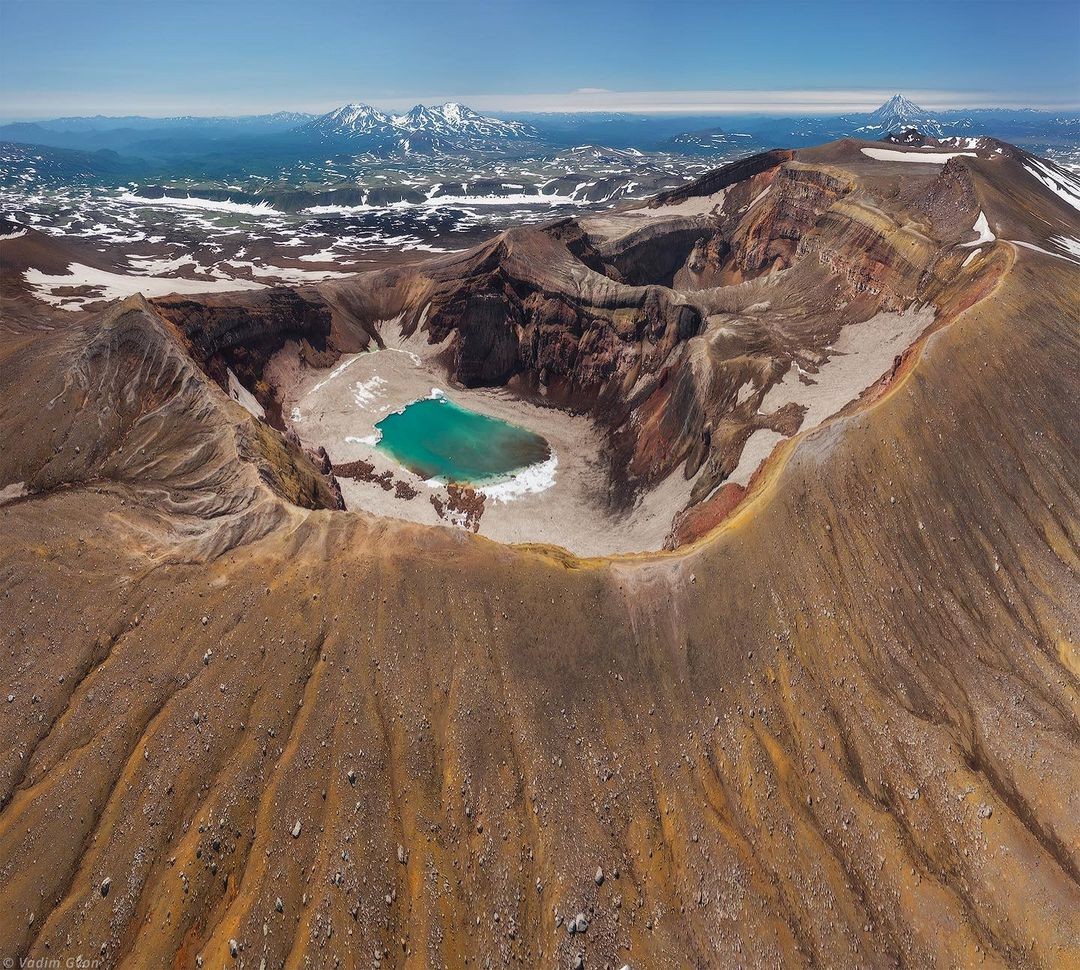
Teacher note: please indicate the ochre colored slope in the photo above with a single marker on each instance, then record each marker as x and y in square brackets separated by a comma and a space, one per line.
[841, 729]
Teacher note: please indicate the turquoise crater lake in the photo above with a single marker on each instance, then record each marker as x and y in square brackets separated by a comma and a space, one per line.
[436, 438]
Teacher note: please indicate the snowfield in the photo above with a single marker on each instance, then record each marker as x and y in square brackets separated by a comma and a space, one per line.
[1057, 180]
[892, 155]
[113, 286]
[191, 202]
[982, 227]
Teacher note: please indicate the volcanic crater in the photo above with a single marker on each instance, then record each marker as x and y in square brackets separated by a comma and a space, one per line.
[663, 351]
[829, 719]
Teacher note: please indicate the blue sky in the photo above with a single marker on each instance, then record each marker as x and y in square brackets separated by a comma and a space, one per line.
[159, 57]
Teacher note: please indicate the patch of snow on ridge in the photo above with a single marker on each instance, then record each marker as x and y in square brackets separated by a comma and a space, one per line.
[349, 210]
[982, 227]
[1067, 243]
[957, 141]
[446, 201]
[191, 202]
[337, 371]
[1071, 245]
[290, 274]
[519, 198]
[863, 353]
[891, 155]
[1062, 183]
[323, 256]
[243, 396]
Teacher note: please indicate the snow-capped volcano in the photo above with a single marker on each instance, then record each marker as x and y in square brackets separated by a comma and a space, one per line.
[421, 128]
[899, 113]
[350, 119]
[453, 118]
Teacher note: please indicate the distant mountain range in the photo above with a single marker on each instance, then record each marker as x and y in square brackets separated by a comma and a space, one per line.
[358, 129]
[278, 121]
[445, 127]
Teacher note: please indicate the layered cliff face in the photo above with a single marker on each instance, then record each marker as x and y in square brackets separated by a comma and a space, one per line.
[839, 726]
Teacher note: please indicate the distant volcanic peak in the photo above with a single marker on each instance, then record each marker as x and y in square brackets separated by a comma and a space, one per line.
[450, 113]
[454, 112]
[416, 117]
[352, 118]
[899, 105]
[453, 118]
[899, 113]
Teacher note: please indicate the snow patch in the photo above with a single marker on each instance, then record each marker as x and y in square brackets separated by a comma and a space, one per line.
[529, 481]
[192, 202]
[336, 372]
[1057, 180]
[891, 155]
[290, 274]
[367, 392]
[982, 227]
[243, 396]
[758, 447]
[113, 286]
[1069, 245]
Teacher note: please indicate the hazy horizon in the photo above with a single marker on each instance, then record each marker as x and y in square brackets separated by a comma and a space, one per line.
[745, 107]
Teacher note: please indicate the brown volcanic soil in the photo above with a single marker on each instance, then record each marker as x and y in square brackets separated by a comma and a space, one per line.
[840, 729]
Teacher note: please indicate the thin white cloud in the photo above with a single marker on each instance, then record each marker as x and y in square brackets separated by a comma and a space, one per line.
[760, 101]
[753, 101]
